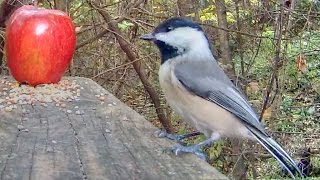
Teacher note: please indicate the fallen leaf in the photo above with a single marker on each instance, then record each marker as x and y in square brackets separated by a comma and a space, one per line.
[267, 113]
[253, 86]
[301, 63]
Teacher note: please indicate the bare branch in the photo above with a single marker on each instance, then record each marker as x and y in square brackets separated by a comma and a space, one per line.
[136, 64]
[276, 60]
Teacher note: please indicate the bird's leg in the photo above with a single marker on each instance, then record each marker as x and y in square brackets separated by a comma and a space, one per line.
[195, 149]
[176, 137]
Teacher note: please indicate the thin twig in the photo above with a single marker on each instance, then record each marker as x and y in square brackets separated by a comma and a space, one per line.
[276, 60]
[123, 65]
[240, 32]
[125, 46]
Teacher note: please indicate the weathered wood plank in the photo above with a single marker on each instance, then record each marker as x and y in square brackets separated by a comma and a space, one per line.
[88, 139]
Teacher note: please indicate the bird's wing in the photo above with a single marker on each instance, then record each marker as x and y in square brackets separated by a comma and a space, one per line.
[207, 80]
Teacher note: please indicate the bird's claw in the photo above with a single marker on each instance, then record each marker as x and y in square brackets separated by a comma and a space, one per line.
[179, 149]
[161, 133]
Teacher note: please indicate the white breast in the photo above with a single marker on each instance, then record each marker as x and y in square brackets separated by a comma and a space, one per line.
[172, 89]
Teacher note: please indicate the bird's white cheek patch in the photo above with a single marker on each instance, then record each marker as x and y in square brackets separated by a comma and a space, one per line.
[169, 39]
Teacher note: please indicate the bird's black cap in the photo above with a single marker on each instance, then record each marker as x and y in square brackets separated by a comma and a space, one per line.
[171, 24]
[176, 22]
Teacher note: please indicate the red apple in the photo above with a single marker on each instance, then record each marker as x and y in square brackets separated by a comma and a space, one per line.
[40, 44]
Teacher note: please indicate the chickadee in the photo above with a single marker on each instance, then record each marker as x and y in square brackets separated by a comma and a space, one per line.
[198, 90]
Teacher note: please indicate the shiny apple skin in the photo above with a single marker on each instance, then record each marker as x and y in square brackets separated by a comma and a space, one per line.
[40, 44]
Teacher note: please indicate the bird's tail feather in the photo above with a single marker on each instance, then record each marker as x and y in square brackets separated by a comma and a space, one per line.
[278, 152]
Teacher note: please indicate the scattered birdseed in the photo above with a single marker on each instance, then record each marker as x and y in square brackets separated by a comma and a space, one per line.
[125, 118]
[11, 94]
[24, 130]
[8, 108]
[20, 127]
[44, 104]
[78, 112]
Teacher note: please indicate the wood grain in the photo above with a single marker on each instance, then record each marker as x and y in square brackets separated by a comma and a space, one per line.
[107, 140]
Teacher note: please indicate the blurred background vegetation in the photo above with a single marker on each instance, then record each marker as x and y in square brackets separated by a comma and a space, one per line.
[269, 48]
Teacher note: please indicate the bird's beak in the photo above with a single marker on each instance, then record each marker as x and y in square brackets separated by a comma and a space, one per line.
[148, 37]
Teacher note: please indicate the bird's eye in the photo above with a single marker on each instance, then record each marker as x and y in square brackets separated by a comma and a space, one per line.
[169, 28]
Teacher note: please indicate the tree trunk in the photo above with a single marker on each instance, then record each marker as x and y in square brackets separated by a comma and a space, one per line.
[239, 170]
[224, 39]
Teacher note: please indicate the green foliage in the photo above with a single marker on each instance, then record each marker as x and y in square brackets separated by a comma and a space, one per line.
[182, 130]
[125, 25]
[209, 14]
[216, 149]
[79, 12]
[301, 117]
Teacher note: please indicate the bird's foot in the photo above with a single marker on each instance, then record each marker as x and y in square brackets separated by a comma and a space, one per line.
[176, 137]
[195, 149]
